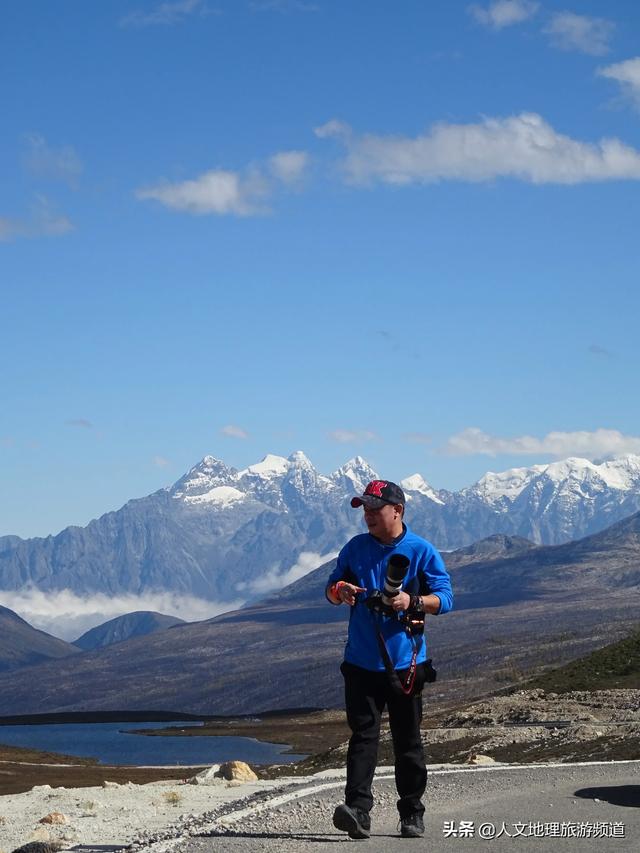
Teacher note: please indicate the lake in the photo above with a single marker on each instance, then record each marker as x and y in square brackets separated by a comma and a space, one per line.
[111, 744]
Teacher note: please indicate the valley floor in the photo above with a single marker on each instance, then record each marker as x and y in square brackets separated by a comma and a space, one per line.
[109, 805]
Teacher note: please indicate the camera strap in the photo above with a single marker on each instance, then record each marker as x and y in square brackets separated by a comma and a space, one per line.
[394, 678]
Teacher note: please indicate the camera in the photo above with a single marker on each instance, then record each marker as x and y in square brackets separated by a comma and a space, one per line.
[380, 601]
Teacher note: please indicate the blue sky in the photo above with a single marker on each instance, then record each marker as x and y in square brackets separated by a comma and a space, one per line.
[406, 231]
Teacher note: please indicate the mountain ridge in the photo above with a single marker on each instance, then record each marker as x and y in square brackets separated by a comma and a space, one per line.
[190, 537]
[138, 623]
[23, 645]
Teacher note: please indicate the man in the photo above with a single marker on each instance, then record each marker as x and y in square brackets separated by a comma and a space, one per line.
[385, 655]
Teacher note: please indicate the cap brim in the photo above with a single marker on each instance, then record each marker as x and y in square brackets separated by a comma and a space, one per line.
[368, 500]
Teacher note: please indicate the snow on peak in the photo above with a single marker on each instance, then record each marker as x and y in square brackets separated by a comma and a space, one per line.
[203, 477]
[300, 459]
[270, 466]
[357, 465]
[210, 462]
[621, 473]
[573, 467]
[417, 483]
[414, 483]
[222, 496]
[357, 471]
[506, 484]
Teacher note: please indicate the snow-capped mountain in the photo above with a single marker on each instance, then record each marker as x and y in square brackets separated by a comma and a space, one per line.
[209, 535]
[554, 503]
[217, 529]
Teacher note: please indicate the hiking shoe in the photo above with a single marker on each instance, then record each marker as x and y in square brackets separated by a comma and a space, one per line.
[412, 826]
[354, 821]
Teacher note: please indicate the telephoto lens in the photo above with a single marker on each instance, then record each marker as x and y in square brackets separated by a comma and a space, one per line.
[396, 570]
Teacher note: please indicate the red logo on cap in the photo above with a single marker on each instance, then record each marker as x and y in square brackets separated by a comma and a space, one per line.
[375, 488]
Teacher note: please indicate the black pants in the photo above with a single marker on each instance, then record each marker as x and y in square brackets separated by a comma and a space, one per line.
[366, 694]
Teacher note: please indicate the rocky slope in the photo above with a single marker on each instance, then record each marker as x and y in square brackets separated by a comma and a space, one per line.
[21, 645]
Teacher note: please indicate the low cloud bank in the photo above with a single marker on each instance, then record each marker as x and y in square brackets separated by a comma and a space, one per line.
[275, 579]
[67, 615]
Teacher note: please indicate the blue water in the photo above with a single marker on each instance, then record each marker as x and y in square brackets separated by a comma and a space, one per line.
[111, 744]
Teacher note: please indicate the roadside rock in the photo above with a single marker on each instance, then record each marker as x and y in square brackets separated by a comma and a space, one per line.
[210, 776]
[238, 771]
[54, 818]
[479, 759]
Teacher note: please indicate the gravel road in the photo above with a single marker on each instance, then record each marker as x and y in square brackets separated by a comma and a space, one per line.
[573, 808]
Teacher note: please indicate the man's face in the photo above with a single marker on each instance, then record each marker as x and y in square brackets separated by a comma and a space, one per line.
[382, 522]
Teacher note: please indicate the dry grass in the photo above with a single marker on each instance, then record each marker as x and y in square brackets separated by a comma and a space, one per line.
[43, 768]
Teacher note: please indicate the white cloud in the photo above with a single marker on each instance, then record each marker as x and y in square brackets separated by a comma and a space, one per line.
[160, 461]
[504, 13]
[348, 436]
[165, 14]
[67, 615]
[43, 221]
[61, 164]
[335, 127]
[523, 147]
[569, 31]
[224, 192]
[601, 442]
[627, 74]
[234, 431]
[307, 561]
[289, 166]
[218, 191]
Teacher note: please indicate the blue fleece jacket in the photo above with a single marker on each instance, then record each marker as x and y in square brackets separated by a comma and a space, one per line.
[363, 562]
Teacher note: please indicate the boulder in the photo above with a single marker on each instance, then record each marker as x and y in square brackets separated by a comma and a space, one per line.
[479, 758]
[237, 770]
[210, 776]
[54, 818]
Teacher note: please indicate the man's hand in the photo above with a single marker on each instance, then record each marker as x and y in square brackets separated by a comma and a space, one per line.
[347, 593]
[401, 601]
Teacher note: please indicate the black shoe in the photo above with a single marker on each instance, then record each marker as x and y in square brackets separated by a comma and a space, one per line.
[354, 821]
[412, 826]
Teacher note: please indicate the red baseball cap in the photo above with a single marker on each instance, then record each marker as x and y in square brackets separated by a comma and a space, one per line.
[378, 493]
